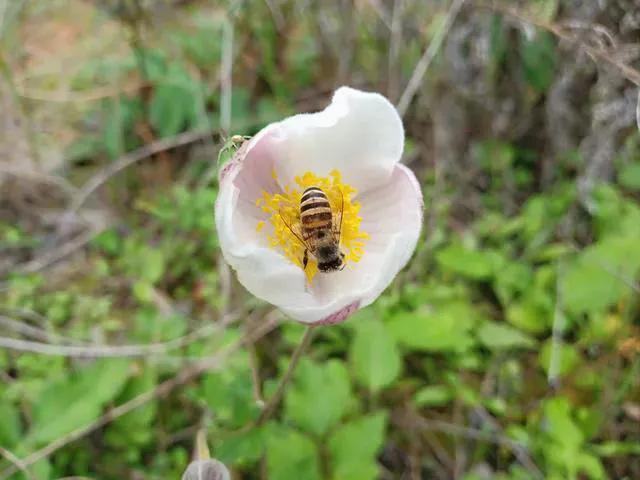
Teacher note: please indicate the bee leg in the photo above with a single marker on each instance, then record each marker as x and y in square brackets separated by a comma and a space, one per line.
[305, 259]
[343, 262]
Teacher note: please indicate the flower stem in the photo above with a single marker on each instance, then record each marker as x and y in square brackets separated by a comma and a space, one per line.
[295, 358]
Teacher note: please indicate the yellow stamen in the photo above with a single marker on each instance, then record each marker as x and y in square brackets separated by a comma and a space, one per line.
[284, 209]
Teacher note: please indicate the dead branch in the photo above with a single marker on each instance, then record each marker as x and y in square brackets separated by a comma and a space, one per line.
[102, 351]
[427, 57]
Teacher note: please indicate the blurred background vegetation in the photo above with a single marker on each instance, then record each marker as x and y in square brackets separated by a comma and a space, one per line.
[509, 348]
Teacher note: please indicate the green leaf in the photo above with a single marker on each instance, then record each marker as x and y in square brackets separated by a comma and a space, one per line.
[563, 433]
[543, 10]
[538, 60]
[432, 396]
[291, 456]
[320, 395]
[242, 448]
[596, 280]
[132, 429]
[240, 109]
[629, 176]
[374, 355]
[229, 394]
[528, 316]
[446, 330]
[498, 336]
[568, 356]
[615, 449]
[113, 131]
[477, 265]
[76, 401]
[355, 445]
[514, 278]
[10, 428]
[170, 108]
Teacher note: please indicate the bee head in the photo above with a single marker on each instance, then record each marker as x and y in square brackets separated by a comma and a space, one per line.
[331, 265]
[333, 262]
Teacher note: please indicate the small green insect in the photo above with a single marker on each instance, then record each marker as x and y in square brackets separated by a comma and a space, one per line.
[230, 147]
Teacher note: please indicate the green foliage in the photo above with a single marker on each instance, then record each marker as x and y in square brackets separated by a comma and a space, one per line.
[69, 403]
[319, 397]
[375, 358]
[516, 320]
[130, 431]
[10, 427]
[445, 330]
[289, 453]
[432, 396]
[566, 451]
[174, 103]
[496, 336]
[230, 396]
[354, 446]
[538, 60]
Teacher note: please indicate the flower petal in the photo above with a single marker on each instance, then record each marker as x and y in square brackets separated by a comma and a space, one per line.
[206, 470]
[359, 133]
[263, 271]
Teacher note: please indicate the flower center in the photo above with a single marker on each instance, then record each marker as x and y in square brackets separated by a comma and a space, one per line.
[293, 236]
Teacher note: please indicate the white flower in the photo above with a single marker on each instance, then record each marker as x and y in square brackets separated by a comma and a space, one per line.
[351, 150]
[209, 469]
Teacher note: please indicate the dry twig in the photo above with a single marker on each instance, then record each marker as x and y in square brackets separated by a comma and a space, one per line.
[19, 464]
[274, 400]
[129, 159]
[427, 57]
[516, 448]
[101, 351]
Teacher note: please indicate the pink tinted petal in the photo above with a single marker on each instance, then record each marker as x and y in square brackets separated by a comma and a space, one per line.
[341, 315]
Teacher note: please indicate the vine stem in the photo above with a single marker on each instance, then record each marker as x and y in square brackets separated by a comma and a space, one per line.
[286, 378]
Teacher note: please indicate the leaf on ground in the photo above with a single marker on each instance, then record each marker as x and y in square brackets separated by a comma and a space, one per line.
[355, 445]
[319, 396]
[374, 355]
[76, 401]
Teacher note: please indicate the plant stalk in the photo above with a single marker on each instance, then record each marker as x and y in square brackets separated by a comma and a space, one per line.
[286, 378]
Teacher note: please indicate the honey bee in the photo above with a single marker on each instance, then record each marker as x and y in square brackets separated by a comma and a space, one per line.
[320, 230]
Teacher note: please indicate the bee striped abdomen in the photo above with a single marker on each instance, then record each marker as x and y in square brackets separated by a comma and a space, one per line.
[318, 233]
[315, 210]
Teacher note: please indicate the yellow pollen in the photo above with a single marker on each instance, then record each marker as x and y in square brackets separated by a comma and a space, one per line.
[284, 211]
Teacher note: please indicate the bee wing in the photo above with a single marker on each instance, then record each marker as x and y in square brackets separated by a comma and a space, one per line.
[299, 237]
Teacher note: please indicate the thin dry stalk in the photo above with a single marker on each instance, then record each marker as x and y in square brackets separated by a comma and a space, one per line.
[129, 159]
[516, 448]
[116, 351]
[427, 57]
[17, 463]
[226, 77]
[52, 256]
[295, 358]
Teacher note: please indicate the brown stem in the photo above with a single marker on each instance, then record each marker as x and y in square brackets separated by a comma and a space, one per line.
[277, 396]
